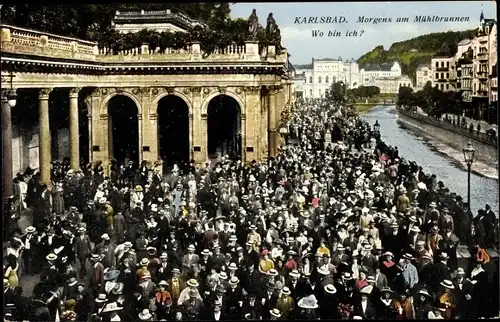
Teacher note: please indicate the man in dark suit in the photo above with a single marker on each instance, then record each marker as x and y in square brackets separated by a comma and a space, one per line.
[364, 307]
[209, 236]
[83, 248]
[380, 279]
[464, 291]
[441, 271]
[216, 313]
[193, 307]
[251, 281]
[268, 298]
[97, 276]
[234, 298]
[368, 260]
[252, 307]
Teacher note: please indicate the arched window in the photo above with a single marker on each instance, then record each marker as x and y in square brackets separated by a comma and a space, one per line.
[319, 79]
[326, 79]
[311, 92]
[310, 79]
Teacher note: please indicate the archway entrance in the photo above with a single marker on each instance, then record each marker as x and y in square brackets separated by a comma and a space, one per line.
[123, 130]
[173, 131]
[224, 127]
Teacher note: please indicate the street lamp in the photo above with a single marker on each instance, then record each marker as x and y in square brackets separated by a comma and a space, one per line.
[469, 159]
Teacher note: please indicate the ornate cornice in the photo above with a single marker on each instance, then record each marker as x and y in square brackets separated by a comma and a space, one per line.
[273, 90]
[222, 89]
[74, 91]
[44, 93]
[251, 89]
[195, 89]
[73, 66]
[96, 92]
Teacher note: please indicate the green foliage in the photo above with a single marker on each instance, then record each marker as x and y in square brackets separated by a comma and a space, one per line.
[93, 22]
[431, 100]
[416, 51]
[337, 93]
[363, 92]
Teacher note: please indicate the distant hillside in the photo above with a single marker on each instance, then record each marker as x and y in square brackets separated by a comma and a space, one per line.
[416, 51]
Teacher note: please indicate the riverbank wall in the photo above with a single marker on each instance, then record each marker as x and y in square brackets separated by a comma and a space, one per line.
[456, 138]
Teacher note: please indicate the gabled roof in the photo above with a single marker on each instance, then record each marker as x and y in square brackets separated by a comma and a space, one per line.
[384, 67]
[464, 42]
[303, 66]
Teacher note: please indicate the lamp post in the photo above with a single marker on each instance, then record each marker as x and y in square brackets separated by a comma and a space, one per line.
[469, 159]
[9, 100]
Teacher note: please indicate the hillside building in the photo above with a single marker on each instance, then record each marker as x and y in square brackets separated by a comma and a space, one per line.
[473, 69]
[317, 78]
[465, 73]
[443, 70]
[423, 75]
[371, 72]
[391, 85]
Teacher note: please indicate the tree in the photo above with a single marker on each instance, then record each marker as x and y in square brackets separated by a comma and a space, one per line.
[405, 97]
[92, 21]
[337, 93]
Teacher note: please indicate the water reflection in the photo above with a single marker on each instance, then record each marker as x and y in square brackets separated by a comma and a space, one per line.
[411, 147]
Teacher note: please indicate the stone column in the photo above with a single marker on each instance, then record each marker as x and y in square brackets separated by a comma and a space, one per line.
[74, 133]
[7, 177]
[251, 137]
[272, 122]
[198, 128]
[263, 122]
[148, 126]
[140, 143]
[44, 137]
[98, 128]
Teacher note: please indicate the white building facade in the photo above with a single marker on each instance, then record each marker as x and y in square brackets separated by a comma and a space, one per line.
[442, 73]
[423, 75]
[472, 69]
[318, 77]
[370, 73]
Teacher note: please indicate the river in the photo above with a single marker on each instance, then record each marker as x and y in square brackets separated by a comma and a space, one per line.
[437, 158]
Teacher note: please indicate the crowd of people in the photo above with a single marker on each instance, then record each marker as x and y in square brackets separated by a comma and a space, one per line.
[337, 226]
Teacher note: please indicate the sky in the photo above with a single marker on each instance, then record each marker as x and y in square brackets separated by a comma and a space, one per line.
[302, 46]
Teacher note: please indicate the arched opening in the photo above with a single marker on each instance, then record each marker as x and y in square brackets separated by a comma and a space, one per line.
[173, 131]
[224, 127]
[83, 131]
[123, 136]
[59, 124]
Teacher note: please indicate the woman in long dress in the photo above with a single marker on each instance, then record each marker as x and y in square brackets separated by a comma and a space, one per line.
[58, 200]
[13, 259]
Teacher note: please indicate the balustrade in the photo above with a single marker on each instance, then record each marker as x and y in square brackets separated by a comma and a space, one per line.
[20, 40]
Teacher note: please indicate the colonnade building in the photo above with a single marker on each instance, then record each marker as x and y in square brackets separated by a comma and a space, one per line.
[141, 105]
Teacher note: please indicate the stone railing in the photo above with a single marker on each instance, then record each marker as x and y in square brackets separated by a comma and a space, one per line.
[20, 40]
[35, 43]
[481, 137]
